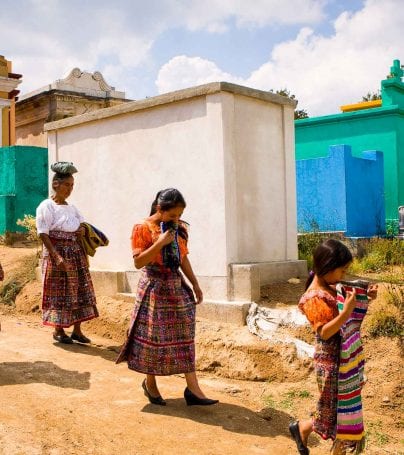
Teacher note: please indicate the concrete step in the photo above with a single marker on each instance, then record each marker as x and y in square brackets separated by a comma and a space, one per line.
[219, 310]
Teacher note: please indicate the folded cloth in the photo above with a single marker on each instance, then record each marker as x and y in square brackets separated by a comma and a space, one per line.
[92, 239]
[171, 252]
[64, 167]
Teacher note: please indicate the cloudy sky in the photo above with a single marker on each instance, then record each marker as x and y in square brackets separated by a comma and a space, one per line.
[326, 52]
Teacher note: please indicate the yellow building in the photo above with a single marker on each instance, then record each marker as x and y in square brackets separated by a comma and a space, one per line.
[8, 93]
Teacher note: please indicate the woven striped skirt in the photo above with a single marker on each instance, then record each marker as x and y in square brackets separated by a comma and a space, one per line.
[161, 335]
[326, 363]
[68, 297]
[350, 429]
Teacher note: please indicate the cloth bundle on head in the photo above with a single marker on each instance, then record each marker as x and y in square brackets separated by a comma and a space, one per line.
[171, 252]
[63, 167]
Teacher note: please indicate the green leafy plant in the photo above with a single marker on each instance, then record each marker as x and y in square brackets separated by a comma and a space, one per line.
[306, 244]
[378, 255]
[392, 228]
[386, 317]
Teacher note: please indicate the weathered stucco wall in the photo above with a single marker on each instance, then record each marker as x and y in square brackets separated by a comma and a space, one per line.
[228, 149]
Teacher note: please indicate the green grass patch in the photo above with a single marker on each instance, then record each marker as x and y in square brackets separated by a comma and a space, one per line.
[375, 435]
[288, 399]
[269, 401]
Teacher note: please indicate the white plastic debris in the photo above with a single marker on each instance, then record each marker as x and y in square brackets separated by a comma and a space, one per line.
[264, 322]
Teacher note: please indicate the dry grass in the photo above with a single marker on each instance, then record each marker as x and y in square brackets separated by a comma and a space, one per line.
[17, 279]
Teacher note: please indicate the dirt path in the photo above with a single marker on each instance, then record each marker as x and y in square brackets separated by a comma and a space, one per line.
[71, 400]
[58, 399]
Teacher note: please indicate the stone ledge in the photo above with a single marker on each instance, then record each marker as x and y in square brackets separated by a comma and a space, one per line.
[246, 279]
[171, 97]
[218, 311]
[224, 311]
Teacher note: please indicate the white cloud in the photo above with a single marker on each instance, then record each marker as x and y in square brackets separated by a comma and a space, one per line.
[45, 39]
[183, 71]
[323, 72]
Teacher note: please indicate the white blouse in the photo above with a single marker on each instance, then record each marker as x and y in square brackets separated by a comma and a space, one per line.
[53, 217]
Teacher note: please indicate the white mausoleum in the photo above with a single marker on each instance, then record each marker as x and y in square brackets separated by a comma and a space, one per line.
[229, 149]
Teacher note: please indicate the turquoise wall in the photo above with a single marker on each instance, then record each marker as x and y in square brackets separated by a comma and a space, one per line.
[23, 183]
[379, 128]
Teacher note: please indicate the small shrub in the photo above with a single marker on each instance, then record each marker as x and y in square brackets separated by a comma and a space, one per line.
[395, 297]
[306, 244]
[386, 314]
[29, 223]
[384, 324]
[392, 228]
[378, 255]
[373, 262]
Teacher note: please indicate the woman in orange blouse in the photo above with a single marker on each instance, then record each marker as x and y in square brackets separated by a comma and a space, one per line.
[161, 336]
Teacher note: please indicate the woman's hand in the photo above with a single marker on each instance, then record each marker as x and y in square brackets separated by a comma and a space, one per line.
[60, 262]
[198, 293]
[166, 238]
[350, 301]
[372, 291]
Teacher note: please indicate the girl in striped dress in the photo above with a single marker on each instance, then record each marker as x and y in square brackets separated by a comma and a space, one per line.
[161, 336]
[319, 303]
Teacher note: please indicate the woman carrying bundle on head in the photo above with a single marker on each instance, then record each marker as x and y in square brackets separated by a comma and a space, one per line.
[161, 336]
[68, 296]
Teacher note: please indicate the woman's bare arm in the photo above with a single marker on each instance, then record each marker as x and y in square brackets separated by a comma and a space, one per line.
[189, 273]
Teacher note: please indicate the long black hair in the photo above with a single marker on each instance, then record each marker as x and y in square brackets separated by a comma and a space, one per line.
[328, 256]
[168, 199]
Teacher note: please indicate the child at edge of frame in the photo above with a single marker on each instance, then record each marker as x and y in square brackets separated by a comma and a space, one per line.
[333, 310]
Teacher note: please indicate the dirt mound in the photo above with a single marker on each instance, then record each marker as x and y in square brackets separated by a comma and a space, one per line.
[223, 349]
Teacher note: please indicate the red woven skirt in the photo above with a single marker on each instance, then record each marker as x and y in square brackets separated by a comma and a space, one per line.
[68, 297]
[162, 331]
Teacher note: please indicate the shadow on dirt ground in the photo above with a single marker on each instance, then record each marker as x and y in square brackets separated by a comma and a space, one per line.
[13, 373]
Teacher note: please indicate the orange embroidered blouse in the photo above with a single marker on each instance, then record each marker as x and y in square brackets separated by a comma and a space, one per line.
[319, 307]
[145, 234]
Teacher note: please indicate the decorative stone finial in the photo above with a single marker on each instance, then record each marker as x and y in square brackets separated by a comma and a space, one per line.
[92, 84]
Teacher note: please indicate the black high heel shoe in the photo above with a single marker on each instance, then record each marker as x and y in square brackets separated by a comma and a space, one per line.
[294, 431]
[153, 400]
[193, 400]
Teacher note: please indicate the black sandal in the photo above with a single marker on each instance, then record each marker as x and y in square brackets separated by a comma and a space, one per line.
[62, 338]
[294, 431]
[80, 338]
